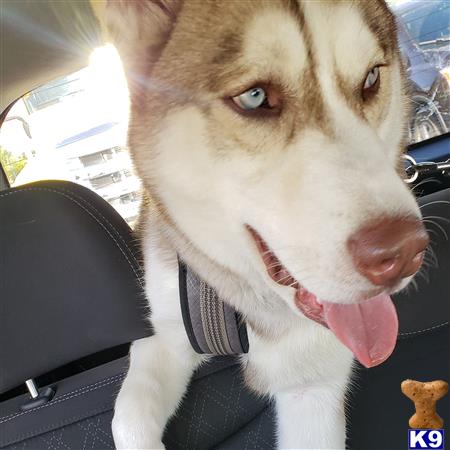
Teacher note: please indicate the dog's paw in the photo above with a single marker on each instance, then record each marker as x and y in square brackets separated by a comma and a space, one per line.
[133, 425]
[135, 434]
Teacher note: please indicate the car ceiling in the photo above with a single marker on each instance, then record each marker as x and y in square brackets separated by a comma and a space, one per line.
[41, 41]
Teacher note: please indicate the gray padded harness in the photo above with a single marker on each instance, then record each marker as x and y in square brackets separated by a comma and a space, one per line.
[213, 327]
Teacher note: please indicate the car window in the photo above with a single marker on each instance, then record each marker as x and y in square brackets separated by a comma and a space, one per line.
[427, 22]
[424, 37]
[74, 128]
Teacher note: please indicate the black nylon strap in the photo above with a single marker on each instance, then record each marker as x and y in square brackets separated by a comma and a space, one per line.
[212, 326]
[184, 303]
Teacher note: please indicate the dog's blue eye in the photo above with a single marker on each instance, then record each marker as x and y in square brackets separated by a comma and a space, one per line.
[372, 78]
[251, 99]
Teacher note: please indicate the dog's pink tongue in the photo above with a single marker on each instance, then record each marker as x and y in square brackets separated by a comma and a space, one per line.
[369, 328]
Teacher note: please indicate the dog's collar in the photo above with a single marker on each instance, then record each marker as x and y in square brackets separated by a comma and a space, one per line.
[213, 327]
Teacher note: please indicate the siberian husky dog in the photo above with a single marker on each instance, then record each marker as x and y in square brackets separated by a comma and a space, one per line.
[268, 136]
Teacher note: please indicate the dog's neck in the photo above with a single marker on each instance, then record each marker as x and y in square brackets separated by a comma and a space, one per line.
[264, 311]
[271, 325]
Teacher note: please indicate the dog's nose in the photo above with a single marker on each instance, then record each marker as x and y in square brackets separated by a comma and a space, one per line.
[388, 250]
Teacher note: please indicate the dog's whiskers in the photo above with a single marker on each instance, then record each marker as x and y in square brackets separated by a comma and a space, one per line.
[435, 202]
[430, 251]
[426, 220]
[431, 231]
[438, 217]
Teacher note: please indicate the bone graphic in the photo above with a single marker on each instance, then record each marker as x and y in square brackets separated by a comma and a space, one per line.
[425, 396]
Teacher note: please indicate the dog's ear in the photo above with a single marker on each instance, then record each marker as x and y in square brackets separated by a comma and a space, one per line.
[139, 29]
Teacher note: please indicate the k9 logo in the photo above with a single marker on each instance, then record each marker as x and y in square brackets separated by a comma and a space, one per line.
[425, 439]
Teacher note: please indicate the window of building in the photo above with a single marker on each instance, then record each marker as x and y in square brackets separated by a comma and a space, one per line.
[74, 129]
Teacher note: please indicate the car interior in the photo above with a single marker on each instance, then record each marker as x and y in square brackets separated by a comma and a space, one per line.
[71, 277]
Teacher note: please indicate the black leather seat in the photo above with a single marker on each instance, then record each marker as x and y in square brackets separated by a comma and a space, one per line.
[71, 279]
[70, 288]
[71, 300]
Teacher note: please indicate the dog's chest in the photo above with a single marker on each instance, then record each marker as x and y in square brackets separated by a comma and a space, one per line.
[298, 358]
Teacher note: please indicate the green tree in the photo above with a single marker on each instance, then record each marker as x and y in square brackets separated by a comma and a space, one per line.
[12, 164]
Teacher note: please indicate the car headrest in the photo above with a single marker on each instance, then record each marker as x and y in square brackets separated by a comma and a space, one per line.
[70, 279]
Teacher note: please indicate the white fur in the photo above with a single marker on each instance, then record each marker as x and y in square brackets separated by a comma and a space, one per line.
[161, 365]
[274, 30]
[305, 199]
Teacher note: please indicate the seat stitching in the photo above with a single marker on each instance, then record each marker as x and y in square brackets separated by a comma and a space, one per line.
[66, 195]
[231, 408]
[258, 430]
[48, 428]
[241, 428]
[197, 432]
[190, 422]
[67, 396]
[93, 433]
[104, 218]
[85, 440]
[74, 391]
[410, 333]
[231, 390]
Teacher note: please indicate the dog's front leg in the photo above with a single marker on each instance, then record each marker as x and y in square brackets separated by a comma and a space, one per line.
[311, 417]
[160, 369]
